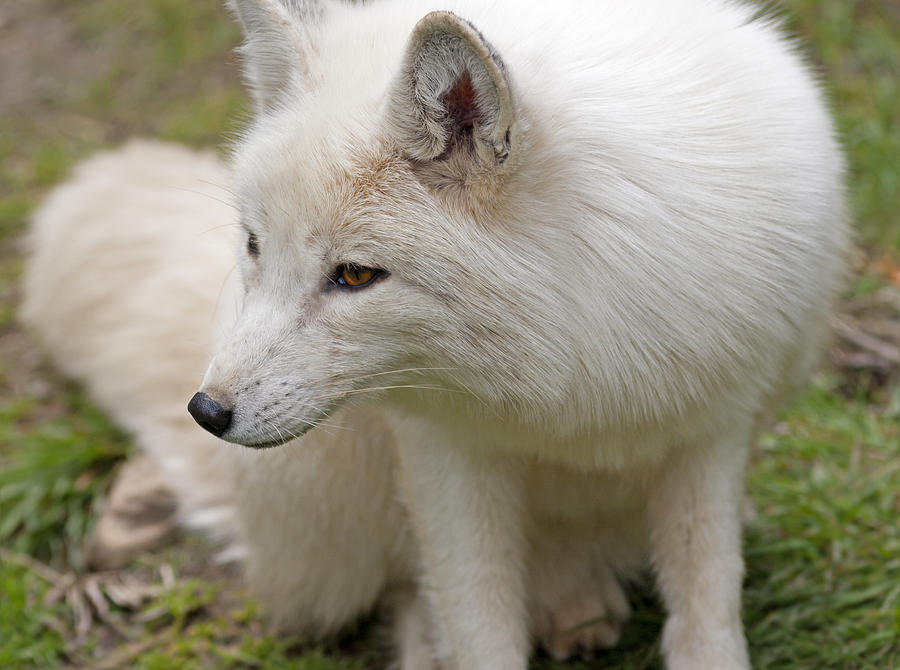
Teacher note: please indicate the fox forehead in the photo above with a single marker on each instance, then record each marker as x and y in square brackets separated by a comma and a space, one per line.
[325, 180]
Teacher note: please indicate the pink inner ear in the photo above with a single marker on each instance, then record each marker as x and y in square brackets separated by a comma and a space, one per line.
[461, 103]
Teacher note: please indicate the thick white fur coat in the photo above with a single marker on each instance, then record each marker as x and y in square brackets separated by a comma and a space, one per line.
[610, 234]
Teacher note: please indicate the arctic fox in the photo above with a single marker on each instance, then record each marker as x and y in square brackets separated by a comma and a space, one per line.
[529, 277]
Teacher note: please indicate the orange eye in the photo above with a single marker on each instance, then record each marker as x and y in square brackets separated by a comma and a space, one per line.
[352, 275]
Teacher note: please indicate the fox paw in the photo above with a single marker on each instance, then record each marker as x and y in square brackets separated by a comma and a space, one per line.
[585, 622]
[140, 515]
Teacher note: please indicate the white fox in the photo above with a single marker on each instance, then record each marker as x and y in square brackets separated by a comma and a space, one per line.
[540, 273]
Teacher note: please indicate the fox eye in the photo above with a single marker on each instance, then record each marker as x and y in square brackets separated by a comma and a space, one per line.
[252, 245]
[356, 276]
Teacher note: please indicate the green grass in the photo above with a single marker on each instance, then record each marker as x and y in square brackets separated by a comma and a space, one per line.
[52, 472]
[823, 586]
[823, 558]
[25, 639]
[857, 45]
[158, 68]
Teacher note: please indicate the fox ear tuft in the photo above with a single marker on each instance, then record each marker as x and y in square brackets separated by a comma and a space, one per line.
[452, 95]
[276, 45]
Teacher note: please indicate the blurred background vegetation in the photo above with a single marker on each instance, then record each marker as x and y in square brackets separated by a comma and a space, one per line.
[823, 586]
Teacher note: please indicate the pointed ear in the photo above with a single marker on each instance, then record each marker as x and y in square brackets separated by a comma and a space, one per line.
[276, 44]
[452, 99]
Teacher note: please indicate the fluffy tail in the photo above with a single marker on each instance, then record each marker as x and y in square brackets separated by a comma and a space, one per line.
[128, 282]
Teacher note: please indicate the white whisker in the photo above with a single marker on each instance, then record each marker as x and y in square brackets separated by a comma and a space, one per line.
[373, 389]
[232, 224]
[317, 423]
[221, 292]
[208, 195]
[221, 187]
[350, 380]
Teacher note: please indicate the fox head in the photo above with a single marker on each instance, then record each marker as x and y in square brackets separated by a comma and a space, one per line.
[534, 233]
[387, 248]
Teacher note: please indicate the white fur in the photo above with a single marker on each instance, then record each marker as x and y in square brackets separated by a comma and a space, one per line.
[129, 264]
[597, 293]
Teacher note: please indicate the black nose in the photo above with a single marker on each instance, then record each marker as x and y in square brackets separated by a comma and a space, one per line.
[209, 414]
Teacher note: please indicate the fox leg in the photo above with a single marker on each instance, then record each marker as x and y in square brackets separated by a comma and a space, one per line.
[695, 538]
[412, 630]
[466, 511]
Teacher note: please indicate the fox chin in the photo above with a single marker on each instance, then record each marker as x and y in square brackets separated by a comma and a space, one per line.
[526, 278]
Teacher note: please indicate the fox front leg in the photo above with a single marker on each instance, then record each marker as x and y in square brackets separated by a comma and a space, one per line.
[695, 535]
[466, 509]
